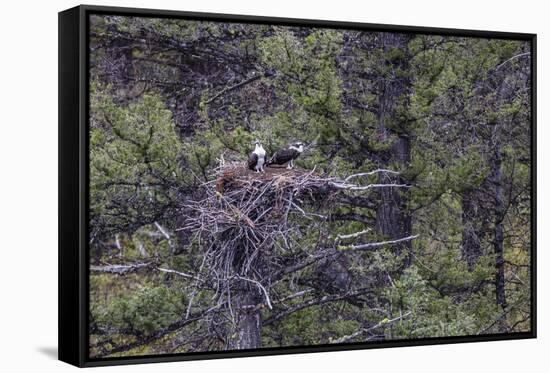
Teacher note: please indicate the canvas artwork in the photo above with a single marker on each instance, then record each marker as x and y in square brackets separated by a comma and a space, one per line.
[256, 186]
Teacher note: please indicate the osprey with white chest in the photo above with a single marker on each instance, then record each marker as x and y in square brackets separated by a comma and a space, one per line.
[256, 159]
[287, 155]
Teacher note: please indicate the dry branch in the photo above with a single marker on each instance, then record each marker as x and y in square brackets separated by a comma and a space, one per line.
[120, 269]
[384, 322]
[373, 245]
[314, 302]
[233, 87]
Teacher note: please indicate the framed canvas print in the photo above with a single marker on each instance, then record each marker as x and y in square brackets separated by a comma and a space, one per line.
[236, 186]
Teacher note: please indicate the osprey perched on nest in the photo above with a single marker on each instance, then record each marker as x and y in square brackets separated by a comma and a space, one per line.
[256, 159]
[287, 155]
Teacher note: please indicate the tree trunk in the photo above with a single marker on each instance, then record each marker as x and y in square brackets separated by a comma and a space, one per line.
[503, 95]
[120, 71]
[393, 219]
[248, 321]
[498, 229]
[471, 240]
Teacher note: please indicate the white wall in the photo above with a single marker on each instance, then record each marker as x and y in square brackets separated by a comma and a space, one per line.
[28, 183]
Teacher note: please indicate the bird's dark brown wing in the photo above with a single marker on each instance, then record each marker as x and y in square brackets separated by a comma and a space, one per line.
[252, 160]
[283, 156]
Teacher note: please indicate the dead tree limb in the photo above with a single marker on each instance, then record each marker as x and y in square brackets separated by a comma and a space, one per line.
[120, 269]
[233, 87]
[360, 332]
[373, 245]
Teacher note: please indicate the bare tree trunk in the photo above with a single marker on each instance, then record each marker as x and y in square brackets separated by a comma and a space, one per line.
[471, 240]
[392, 218]
[496, 176]
[248, 321]
[120, 71]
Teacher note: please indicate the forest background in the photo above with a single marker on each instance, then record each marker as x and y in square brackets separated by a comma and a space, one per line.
[443, 121]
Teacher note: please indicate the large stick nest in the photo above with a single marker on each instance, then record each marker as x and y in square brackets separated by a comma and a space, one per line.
[247, 213]
[247, 221]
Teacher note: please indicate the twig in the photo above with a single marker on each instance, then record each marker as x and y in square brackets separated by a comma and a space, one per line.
[182, 274]
[379, 170]
[353, 235]
[233, 87]
[313, 302]
[372, 245]
[384, 322]
[367, 187]
[513, 58]
[121, 269]
[262, 288]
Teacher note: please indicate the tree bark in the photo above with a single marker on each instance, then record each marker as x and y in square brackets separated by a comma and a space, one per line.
[471, 242]
[393, 219]
[120, 70]
[247, 327]
[498, 229]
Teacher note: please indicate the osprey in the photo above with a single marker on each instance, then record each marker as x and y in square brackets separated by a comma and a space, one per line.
[256, 159]
[287, 155]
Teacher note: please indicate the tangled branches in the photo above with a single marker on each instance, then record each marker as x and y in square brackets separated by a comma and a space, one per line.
[250, 223]
[245, 223]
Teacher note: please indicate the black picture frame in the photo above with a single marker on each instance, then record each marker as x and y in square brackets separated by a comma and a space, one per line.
[74, 198]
